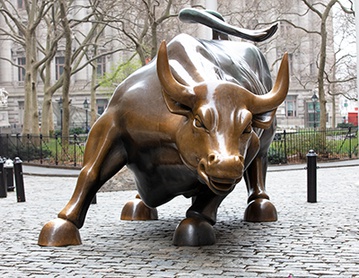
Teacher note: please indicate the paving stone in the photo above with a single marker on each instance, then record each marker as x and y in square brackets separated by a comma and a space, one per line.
[308, 240]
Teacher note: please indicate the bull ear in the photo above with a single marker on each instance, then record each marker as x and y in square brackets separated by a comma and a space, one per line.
[174, 106]
[264, 120]
[178, 97]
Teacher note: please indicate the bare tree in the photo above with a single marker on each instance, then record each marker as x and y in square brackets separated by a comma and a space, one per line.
[137, 26]
[53, 36]
[67, 72]
[304, 25]
[24, 32]
[143, 24]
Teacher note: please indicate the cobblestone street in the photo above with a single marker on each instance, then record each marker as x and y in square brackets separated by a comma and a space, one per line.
[308, 240]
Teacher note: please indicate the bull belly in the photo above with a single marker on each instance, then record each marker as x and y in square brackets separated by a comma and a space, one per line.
[162, 183]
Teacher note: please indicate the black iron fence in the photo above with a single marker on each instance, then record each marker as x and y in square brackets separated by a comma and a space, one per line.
[46, 150]
[292, 146]
[288, 146]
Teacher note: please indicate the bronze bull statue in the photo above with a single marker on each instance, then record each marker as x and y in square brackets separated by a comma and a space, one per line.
[193, 122]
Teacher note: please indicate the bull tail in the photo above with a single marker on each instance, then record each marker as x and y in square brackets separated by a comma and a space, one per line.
[221, 29]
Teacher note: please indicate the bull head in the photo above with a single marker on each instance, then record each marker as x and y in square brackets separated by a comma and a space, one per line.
[218, 139]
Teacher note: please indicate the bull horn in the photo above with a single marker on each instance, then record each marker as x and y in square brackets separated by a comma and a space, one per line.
[178, 92]
[270, 101]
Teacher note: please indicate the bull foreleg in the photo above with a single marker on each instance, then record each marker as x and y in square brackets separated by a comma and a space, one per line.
[104, 156]
[196, 229]
[259, 208]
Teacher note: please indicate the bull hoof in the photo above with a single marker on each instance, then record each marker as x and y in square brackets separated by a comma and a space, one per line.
[137, 210]
[260, 210]
[194, 232]
[59, 232]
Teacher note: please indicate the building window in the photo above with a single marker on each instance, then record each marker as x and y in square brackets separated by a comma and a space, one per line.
[21, 69]
[21, 109]
[59, 64]
[290, 61]
[312, 68]
[101, 105]
[291, 106]
[101, 66]
[21, 4]
[285, 29]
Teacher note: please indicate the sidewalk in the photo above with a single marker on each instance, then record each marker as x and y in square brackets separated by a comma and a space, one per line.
[308, 240]
[320, 165]
[69, 172]
[47, 171]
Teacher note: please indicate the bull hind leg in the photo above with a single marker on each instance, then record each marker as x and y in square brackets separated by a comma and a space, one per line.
[137, 210]
[104, 156]
[259, 208]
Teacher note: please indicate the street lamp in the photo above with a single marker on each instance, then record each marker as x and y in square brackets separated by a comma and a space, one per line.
[60, 106]
[86, 106]
[314, 100]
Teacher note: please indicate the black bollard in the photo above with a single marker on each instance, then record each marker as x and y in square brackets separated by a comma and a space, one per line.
[19, 180]
[3, 190]
[9, 173]
[312, 177]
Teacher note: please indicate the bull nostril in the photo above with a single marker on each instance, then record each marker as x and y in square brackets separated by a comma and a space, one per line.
[212, 158]
[201, 166]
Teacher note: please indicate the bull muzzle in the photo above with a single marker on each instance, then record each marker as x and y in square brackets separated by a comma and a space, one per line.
[221, 173]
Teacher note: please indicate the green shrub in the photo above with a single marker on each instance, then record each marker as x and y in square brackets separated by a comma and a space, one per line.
[275, 156]
[28, 153]
[345, 125]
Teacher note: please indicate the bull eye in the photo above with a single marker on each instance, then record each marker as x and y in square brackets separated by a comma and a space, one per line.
[248, 129]
[197, 122]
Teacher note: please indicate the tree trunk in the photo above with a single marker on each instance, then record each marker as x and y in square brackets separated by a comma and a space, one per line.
[31, 117]
[26, 129]
[35, 108]
[141, 53]
[333, 111]
[46, 113]
[93, 113]
[47, 120]
[67, 76]
[154, 39]
[321, 91]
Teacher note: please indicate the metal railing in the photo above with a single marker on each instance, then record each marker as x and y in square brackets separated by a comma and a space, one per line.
[291, 146]
[46, 150]
[288, 146]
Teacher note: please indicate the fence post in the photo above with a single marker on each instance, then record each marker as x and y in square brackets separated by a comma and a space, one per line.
[312, 177]
[19, 180]
[285, 147]
[350, 141]
[3, 190]
[28, 147]
[75, 144]
[17, 143]
[41, 148]
[56, 151]
[7, 145]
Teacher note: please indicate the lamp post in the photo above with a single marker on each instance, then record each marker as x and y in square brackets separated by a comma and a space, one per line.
[314, 100]
[86, 106]
[60, 105]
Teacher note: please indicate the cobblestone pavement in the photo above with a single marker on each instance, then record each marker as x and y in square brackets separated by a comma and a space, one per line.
[308, 240]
